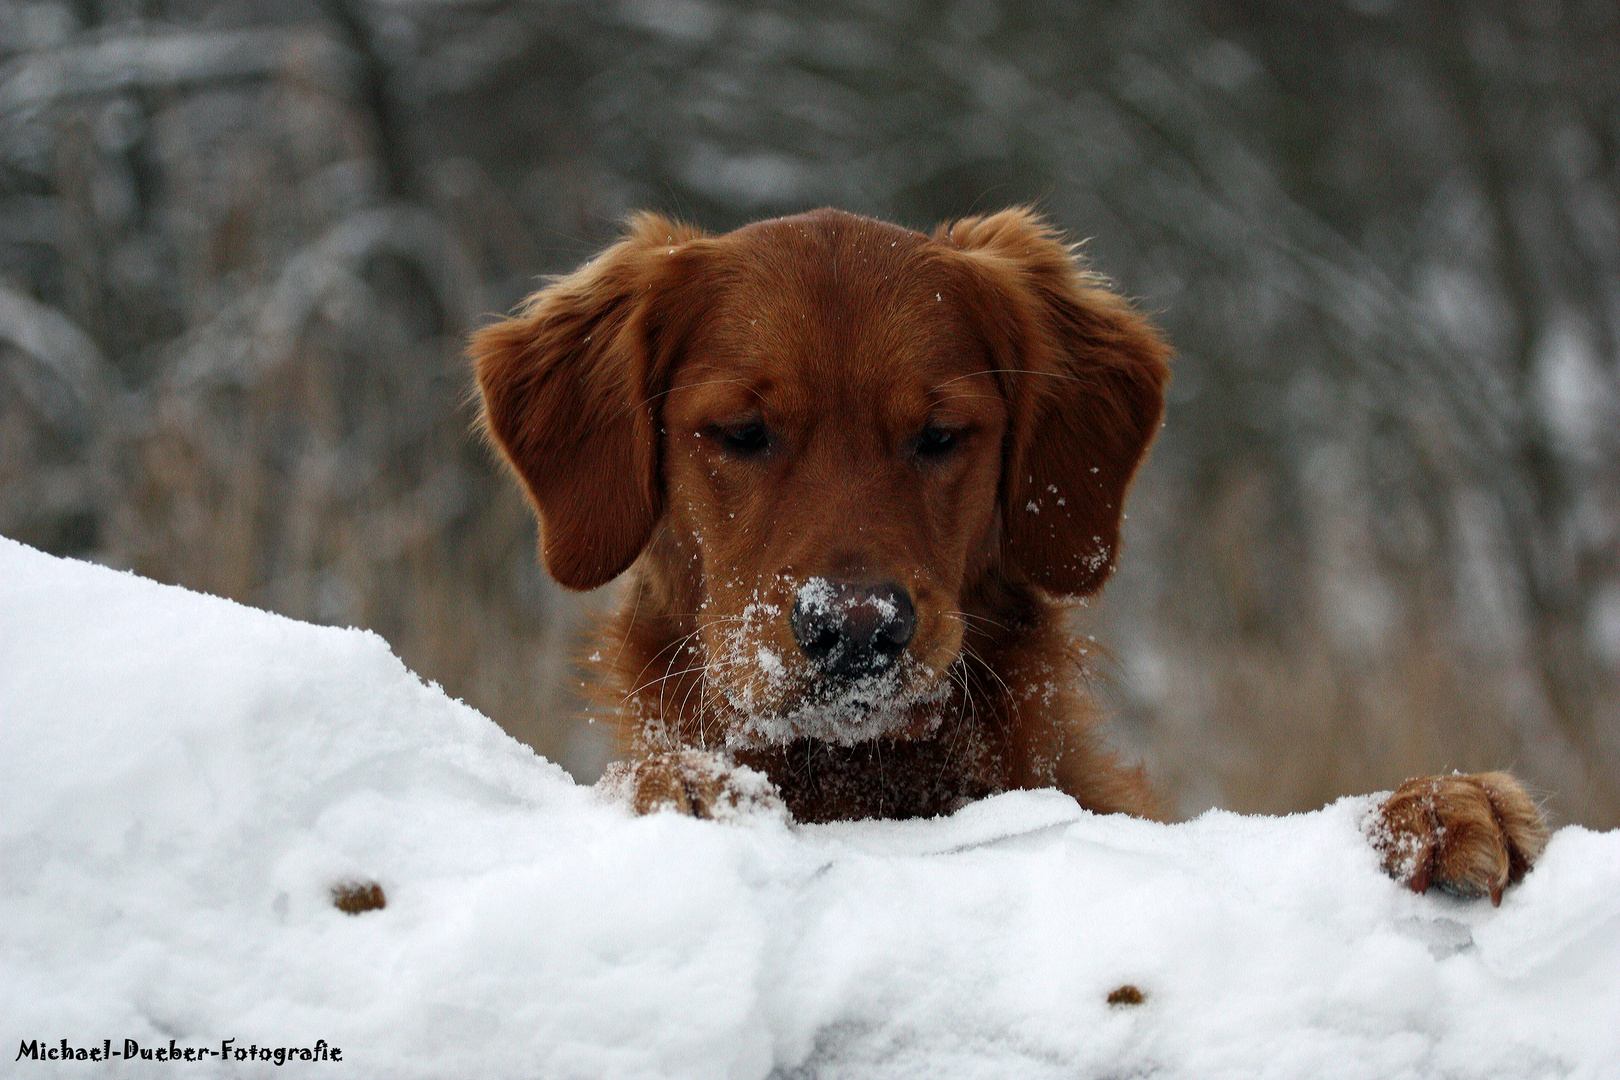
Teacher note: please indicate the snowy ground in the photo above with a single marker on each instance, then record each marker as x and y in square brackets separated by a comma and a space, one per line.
[183, 780]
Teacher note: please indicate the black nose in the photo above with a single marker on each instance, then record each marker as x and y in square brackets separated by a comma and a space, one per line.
[851, 629]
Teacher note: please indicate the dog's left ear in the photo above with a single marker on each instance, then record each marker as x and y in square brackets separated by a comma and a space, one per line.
[1085, 375]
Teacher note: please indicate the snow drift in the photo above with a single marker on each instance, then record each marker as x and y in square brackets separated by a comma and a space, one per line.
[183, 781]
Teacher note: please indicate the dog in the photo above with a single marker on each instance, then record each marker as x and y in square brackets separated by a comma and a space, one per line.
[855, 474]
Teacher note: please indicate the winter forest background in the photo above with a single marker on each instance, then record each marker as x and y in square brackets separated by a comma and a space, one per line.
[241, 243]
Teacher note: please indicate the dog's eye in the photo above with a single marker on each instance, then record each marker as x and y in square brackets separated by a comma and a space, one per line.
[937, 442]
[744, 440]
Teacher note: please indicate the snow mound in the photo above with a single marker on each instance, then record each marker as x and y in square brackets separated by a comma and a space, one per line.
[183, 782]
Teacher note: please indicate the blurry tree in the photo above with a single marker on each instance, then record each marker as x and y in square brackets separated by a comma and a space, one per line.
[240, 244]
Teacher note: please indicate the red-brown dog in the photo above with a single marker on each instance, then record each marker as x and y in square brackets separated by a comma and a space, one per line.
[855, 471]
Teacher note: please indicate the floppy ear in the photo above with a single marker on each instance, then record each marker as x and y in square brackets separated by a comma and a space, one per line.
[1087, 394]
[567, 388]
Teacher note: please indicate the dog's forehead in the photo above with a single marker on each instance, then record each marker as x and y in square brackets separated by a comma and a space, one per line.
[832, 262]
[831, 304]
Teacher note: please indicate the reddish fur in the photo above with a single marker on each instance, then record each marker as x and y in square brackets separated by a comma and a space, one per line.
[1473, 835]
[845, 336]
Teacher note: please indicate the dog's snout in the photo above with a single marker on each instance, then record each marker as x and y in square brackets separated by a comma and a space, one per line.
[852, 628]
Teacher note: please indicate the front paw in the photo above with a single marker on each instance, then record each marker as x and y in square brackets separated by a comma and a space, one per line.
[693, 782]
[1472, 835]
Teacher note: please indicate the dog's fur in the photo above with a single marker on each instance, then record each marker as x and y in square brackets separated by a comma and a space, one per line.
[855, 471]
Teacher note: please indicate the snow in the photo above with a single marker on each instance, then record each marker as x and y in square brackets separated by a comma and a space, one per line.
[184, 780]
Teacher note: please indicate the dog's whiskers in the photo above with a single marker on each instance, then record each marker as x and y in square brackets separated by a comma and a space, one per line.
[984, 665]
[964, 616]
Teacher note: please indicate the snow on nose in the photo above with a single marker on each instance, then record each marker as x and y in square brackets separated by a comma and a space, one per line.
[852, 629]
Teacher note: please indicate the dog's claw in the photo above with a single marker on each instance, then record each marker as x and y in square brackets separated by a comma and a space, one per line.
[1419, 882]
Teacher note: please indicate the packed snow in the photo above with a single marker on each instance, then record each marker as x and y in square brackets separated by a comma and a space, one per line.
[184, 782]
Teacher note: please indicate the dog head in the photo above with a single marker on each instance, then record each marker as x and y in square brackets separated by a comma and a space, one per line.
[822, 434]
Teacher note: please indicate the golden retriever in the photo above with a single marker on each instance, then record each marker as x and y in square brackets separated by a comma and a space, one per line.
[855, 472]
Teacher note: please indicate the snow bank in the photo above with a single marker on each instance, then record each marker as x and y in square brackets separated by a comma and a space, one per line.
[183, 780]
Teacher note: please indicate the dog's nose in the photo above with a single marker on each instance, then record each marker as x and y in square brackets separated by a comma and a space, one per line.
[851, 629]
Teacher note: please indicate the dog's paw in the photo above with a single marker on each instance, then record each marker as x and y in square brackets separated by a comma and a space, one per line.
[1472, 835]
[692, 782]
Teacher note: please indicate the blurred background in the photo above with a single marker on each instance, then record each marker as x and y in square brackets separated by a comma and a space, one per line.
[241, 243]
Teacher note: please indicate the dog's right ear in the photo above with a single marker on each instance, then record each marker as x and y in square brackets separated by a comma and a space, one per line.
[568, 387]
